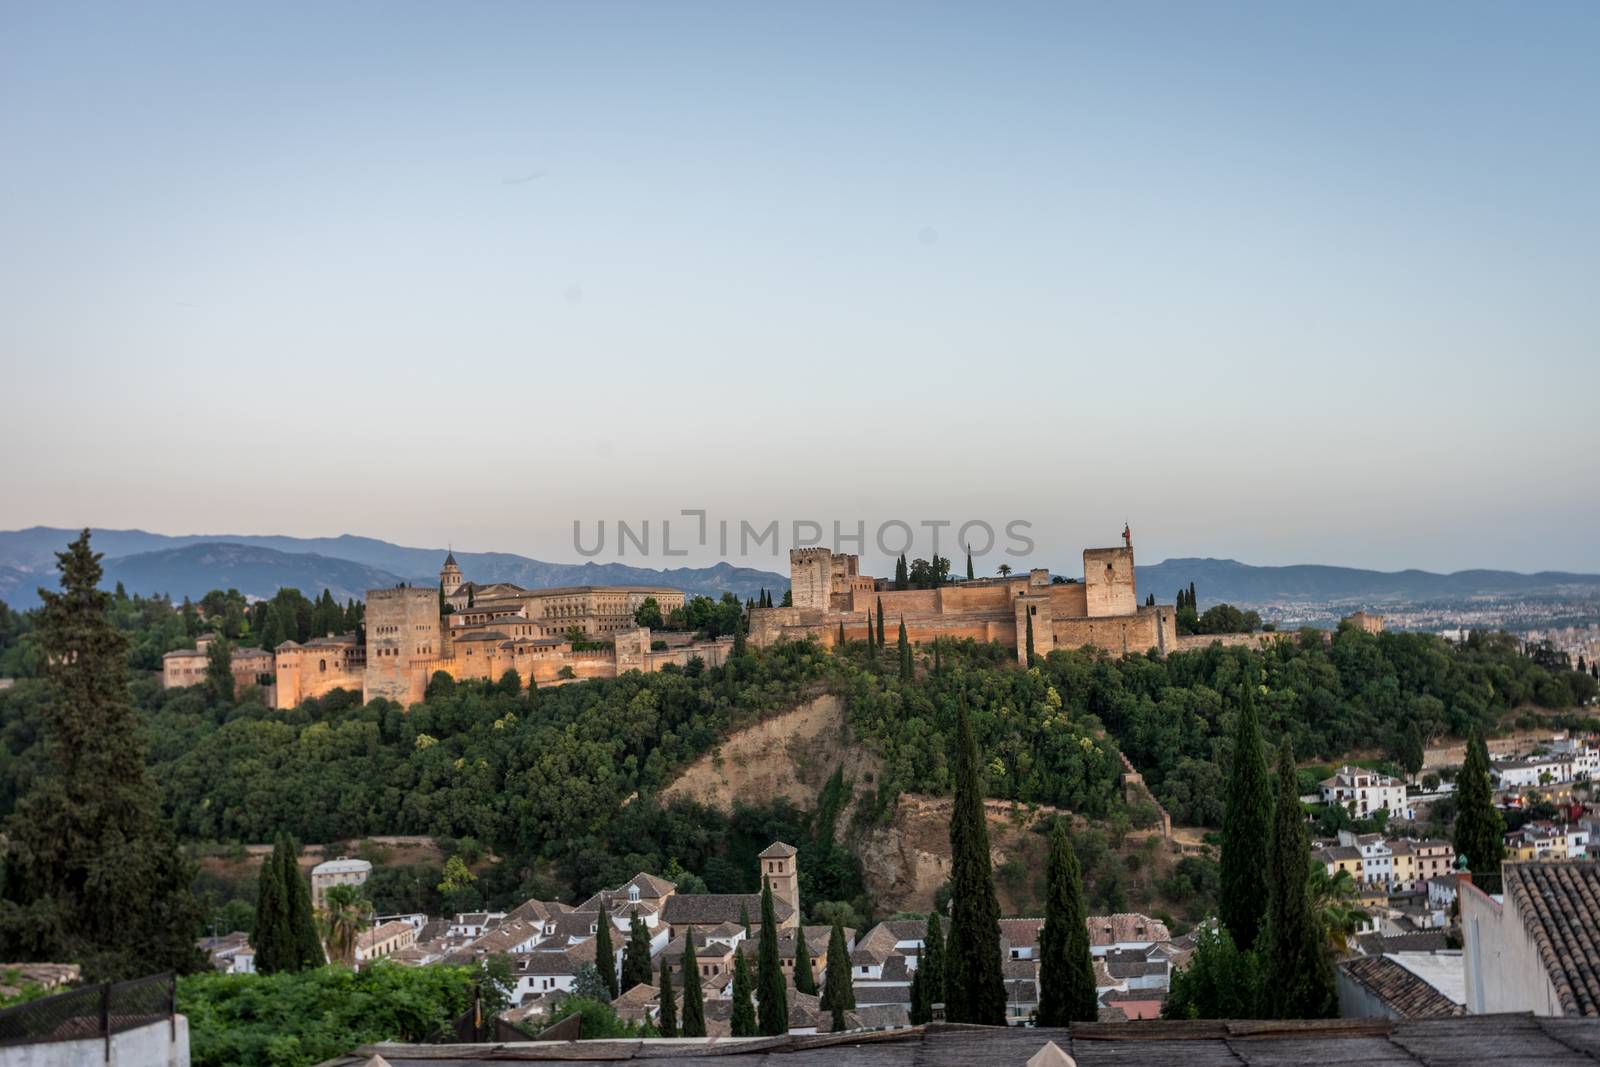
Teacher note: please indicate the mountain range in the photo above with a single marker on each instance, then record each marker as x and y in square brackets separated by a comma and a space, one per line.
[258, 565]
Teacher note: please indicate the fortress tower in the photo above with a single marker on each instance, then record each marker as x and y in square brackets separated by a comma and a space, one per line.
[450, 579]
[403, 640]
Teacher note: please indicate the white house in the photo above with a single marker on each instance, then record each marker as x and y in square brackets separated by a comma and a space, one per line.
[1377, 858]
[1531, 772]
[1364, 793]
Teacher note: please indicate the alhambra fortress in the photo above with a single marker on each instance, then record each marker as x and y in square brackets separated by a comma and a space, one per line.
[553, 636]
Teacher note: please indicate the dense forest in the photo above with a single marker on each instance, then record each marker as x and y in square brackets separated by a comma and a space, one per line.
[559, 782]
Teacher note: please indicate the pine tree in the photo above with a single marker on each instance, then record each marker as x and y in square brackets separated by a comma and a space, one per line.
[636, 957]
[1066, 973]
[838, 992]
[1246, 823]
[974, 988]
[219, 671]
[1033, 658]
[744, 1013]
[667, 1018]
[302, 922]
[805, 978]
[905, 653]
[932, 959]
[770, 991]
[880, 622]
[92, 874]
[1299, 976]
[1479, 825]
[273, 937]
[605, 957]
[694, 1008]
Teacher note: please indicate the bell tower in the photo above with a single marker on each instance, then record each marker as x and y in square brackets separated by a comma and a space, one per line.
[450, 575]
[780, 865]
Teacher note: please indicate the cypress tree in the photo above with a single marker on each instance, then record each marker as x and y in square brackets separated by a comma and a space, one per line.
[921, 1007]
[970, 574]
[1066, 973]
[1193, 603]
[743, 1022]
[871, 652]
[273, 938]
[900, 578]
[667, 1018]
[636, 957]
[605, 957]
[805, 979]
[219, 671]
[838, 993]
[1032, 658]
[1246, 824]
[932, 959]
[880, 622]
[905, 653]
[302, 922]
[92, 873]
[974, 988]
[1479, 825]
[694, 1008]
[840, 642]
[1299, 977]
[744, 920]
[739, 638]
[770, 991]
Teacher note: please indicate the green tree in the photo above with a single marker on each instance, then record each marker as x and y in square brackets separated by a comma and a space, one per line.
[219, 671]
[900, 579]
[1066, 972]
[1299, 976]
[905, 653]
[694, 1008]
[345, 913]
[1479, 824]
[1004, 570]
[297, 891]
[1246, 824]
[880, 622]
[91, 872]
[1333, 899]
[839, 643]
[838, 992]
[932, 959]
[667, 1018]
[636, 957]
[648, 613]
[605, 957]
[974, 987]
[743, 1022]
[770, 991]
[805, 979]
[1412, 750]
[273, 935]
[1220, 982]
[744, 921]
[970, 574]
[871, 647]
[1033, 658]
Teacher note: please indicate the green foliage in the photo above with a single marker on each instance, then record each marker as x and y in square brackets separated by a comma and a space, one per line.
[636, 957]
[274, 940]
[1298, 973]
[974, 986]
[1066, 972]
[598, 1019]
[743, 1021]
[667, 1019]
[933, 959]
[297, 891]
[1220, 982]
[605, 956]
[648, 613]
[91, 873]
[838, 992]
[770, 985]
[694, 1009]
[295, 1020]
[219, 671]
[1479, 825]
[1246, 824]
[805, 977]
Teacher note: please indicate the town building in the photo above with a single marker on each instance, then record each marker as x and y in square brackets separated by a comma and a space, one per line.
[341, 871]
[188, 666]
[384, 940]
[1531, 772]
[1364, 793]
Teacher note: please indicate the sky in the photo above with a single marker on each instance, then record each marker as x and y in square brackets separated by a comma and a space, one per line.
[1278, 282]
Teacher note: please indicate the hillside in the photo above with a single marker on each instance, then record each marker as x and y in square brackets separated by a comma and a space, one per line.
[1229, 580]
[149, 563]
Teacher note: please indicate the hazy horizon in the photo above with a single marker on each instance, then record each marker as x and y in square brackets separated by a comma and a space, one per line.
[1281, 285]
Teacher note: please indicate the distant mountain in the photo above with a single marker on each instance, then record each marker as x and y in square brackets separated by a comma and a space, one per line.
[194, 564]
[1218, 580]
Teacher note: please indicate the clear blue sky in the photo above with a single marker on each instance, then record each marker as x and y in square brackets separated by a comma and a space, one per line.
[1281, 282]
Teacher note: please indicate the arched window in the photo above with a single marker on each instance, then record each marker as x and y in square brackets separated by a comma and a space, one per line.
[322, 665]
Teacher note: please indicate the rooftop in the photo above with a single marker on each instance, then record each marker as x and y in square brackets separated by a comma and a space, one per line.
[1560, 905]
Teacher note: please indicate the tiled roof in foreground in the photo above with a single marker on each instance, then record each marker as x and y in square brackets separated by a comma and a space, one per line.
[1560, 904]
[1503, 1040]
[1407, 994]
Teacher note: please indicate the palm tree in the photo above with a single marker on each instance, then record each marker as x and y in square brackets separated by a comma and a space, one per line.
[1333, 902]
[1005, 570]
[343, 916]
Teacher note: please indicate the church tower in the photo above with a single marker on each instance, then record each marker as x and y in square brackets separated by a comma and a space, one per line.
[450, 576]
[780, 865]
